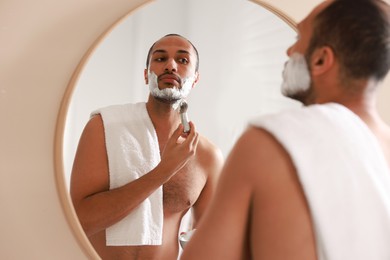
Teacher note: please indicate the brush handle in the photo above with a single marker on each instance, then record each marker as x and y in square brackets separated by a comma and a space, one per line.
[184, 121]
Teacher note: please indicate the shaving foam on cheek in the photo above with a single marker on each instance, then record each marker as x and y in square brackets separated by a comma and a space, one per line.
[184, 90]
[152, 78]
[153, 85]
[187, 86]
[169, 93]
[296, 75]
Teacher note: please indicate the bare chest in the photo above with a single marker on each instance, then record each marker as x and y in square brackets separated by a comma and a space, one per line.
[182, 190]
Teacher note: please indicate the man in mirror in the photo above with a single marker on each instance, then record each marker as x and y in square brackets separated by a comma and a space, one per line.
[136, 173]
[313, 182]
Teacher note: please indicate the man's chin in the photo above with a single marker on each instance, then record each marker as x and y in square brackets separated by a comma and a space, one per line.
[297, 97]
[167, 100]
[300, 96]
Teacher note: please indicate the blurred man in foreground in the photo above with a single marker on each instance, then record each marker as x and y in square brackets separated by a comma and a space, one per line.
[313, 182]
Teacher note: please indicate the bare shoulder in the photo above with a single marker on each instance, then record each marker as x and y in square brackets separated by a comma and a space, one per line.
[94, 125]
[92, 136]
[276, 193]
[263, 161]
[90, 166]
[258, 151]
[209, 153]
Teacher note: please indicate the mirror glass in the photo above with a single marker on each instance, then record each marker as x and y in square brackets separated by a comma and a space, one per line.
[242, 49]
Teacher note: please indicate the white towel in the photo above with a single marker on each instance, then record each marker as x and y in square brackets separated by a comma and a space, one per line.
[133, 150]
[344, 175]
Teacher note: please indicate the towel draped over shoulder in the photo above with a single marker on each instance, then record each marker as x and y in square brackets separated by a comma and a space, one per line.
[133, 150]
[344, 175]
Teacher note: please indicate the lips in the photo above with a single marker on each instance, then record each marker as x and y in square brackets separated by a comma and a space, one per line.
[169, 77]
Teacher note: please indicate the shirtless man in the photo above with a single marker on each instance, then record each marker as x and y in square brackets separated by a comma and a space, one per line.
[294, 189]
[188, 170]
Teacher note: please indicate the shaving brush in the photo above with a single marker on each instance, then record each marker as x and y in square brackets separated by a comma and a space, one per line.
[183, 115]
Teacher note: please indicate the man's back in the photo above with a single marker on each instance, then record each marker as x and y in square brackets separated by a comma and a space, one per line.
[297, 196]
[344, 176]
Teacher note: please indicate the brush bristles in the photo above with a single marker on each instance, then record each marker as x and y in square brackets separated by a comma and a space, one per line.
[183, 107]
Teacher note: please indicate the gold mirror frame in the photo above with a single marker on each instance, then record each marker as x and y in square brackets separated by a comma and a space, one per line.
[63, 193]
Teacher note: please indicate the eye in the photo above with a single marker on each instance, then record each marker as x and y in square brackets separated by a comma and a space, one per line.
[159, 59]
[183, 61]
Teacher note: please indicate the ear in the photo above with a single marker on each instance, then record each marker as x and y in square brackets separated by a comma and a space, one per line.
[146, 76]
[196, 79]
[321, 61]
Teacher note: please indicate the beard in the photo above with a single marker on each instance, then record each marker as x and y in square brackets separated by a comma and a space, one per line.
[170, 95]
[296, 78]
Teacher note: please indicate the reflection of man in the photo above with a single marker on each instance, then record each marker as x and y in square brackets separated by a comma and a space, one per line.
[314, 182]
[136, 174]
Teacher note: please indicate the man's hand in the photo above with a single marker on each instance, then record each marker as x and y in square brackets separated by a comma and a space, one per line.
[179, 149]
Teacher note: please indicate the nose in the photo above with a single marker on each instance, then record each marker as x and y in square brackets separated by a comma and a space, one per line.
[291, 49]
[288, 52]
[171, 65]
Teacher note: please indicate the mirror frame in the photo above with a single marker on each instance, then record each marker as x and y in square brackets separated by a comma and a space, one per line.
[61, 185]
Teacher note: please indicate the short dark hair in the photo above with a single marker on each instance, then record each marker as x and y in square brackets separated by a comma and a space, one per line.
[174, 34]
[358, 32]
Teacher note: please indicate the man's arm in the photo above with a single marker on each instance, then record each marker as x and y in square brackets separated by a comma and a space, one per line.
[259, 210]
[211, 161]
[98, 207]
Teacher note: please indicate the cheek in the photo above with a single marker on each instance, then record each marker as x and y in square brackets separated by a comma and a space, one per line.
[188, 72]
[296, 48]
[156, 68]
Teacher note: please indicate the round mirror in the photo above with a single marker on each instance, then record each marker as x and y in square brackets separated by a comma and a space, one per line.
[242, 51]
[242, 48]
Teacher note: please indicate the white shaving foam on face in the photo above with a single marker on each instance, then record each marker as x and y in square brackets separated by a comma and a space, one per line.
[170, 93]
[296, 75]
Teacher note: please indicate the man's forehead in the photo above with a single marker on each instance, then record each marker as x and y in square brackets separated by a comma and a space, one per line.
[176, 43]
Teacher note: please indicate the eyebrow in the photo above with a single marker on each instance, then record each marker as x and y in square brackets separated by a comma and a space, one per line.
[164, 51]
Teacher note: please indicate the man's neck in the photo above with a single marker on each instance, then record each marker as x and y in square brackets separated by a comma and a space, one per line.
[164, 117]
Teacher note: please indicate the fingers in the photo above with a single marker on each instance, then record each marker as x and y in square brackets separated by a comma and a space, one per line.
[195, 142]
[179, 150]
[191, 138]
[175, 136]
[185, 134]
[192, 129]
